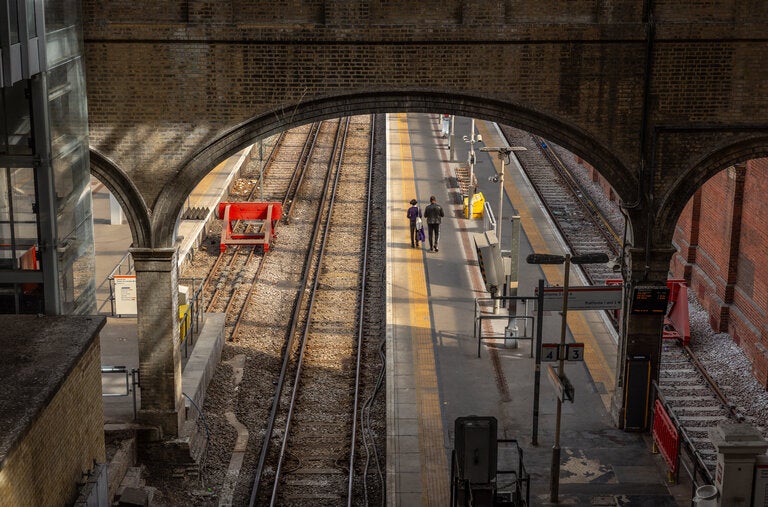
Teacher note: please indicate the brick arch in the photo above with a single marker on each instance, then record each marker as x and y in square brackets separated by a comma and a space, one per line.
[688, 182]
[126, 193]
[171, 199]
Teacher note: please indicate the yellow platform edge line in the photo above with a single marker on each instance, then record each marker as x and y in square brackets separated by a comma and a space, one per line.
[595, 360]
[433, 464]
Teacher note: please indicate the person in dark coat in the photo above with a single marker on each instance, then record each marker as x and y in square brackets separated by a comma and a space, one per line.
[433, 213]
[414, 216]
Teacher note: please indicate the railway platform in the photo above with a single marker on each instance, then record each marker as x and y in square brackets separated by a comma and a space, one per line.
[434, 375]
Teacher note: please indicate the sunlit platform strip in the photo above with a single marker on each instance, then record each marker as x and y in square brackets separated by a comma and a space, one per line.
[417, 466]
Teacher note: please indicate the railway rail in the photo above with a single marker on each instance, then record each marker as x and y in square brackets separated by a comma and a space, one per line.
[295, 173]
[308, 454]
[580, 222]
[232, 276]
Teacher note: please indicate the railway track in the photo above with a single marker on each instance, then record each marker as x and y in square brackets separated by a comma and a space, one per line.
[580, 222]
[229, 285]
[258, 322]
[308, 454]
[694, 399]
[696, 403]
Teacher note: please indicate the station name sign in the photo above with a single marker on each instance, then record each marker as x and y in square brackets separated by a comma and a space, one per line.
[596, 297]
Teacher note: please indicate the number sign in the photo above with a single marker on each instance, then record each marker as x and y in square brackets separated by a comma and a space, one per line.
[550, 351]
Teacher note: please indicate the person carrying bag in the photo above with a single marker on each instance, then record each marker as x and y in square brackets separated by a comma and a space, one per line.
[414, 216]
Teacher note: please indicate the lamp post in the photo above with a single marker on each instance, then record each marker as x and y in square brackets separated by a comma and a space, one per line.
[451, 135]
[504, 155]
[471, 139]
[588, 258]
[261, 169]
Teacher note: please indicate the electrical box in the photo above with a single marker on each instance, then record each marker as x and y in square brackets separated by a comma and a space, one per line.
[489, 257]
[476, 448]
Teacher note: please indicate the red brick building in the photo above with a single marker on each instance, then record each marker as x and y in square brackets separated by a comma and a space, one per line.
[722, 240]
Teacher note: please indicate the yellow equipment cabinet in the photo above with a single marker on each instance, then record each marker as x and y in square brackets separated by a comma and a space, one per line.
[477, 206]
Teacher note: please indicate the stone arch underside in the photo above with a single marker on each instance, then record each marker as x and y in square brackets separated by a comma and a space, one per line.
[126, 193]
[170, 200]
[730, 151]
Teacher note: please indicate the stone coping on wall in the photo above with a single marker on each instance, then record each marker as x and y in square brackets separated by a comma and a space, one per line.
[38, 354]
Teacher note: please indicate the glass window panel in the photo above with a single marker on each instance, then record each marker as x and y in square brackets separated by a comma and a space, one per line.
[22, 200]
[14, 22]
[31, 298]
[24, 298]
[67, 105]
[77, 271]
[62, 44]
[15, 123]
[73, 191]
[31, 27]
[61, 13]
[18, 221]
[7, 250]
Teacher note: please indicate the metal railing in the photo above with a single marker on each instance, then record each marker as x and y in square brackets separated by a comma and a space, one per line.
[520, 494]
[132, 381]
[694, 465]
[190, 320]
[124, 267]
[515, 490]
[489, 219]
[509, 301]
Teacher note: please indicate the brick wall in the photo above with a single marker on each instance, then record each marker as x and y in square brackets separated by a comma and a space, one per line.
[739, 310]
[706, 238]
[44, 468]
[176, 86]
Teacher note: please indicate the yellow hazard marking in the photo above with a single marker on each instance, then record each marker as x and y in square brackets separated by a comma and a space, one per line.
[594, 358]
[434, 464]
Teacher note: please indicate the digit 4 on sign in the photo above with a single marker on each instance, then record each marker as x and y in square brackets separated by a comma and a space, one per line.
[550, 351]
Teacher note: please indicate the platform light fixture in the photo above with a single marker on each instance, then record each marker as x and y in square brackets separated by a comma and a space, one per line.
[505, 157]
[568, 259]
[472, 139]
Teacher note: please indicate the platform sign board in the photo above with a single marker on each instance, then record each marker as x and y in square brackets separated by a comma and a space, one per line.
[596, 297]
[563, 387]
[652, 299]
[550, 351]
[574, 352]
[125, 294]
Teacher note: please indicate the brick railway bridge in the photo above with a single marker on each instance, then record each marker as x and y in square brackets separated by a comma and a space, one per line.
[658, 95]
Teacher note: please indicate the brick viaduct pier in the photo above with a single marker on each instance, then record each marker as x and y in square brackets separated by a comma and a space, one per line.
[658, 95]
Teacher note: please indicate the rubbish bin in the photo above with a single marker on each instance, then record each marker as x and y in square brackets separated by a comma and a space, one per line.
[706, 496]
[477, 206]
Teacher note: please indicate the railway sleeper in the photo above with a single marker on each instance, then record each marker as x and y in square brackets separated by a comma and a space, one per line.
[313, 471]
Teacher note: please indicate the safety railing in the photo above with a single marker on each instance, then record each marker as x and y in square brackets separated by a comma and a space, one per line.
[489, 219]
[520, 495]
[461, 490]
[191, 314]
[132, 381]
[512, 486]
[694, 466]
[512, 332]
[123, 269]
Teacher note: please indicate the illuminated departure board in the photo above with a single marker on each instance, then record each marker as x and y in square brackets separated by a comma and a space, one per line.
[650, 300]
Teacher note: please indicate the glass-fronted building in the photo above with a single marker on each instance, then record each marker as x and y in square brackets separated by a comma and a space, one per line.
[46, 224]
